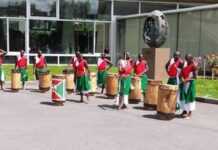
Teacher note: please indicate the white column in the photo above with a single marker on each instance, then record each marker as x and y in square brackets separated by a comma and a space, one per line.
[113, 34]
[27, 37]
[8, 38]
[94, 39]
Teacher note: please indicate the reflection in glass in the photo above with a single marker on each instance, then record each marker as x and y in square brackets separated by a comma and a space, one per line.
[126, 8]
[45, 8]
[148, 7]
[17, 35]
[102, 37]
[3, 32]
[12, 7]
[85, 9]
[61, 37]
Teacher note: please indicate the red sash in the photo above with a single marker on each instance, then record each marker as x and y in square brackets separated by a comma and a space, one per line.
[80, 67]
[22, 62]
[102, 66]
[127, 70]
[1, 59]
[172, 69]
[140, 67]
[186, 71]
[41, 63]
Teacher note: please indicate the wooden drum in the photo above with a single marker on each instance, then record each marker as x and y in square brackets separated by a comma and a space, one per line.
[69, 75]
[58, 89]
[136, 91]
[167, 101]
[44, 80]
[111, 85]
[15, 80]
[93, 82]
[151, 98]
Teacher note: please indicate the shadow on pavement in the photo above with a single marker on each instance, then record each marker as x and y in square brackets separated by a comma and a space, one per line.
[143, 108]
[9, 90]
[104, 97]
[105, 107]
[48, 103]
[73, 101]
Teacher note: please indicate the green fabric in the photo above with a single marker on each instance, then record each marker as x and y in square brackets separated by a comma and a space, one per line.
[101, 77]
[40, 71]
[82, 83]
[24, 74]
[172, 81]
[188, 97]
[144, 83]
[125, 84]
[2, 74]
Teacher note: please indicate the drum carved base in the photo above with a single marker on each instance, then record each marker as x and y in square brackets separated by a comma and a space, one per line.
[43, 90]
[164, 116]
[150, 106]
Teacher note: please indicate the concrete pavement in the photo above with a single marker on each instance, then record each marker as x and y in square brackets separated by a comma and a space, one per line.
[30, 122]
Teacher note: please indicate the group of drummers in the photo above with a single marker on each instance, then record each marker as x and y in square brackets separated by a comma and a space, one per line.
[181, 72]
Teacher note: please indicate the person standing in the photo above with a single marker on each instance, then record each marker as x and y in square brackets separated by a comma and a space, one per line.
[40, 64]
[21, 66]
[173, 68]
[140, 69]
[2, 74]
[82, 77]
[187, 87]
[103, 65]
[125, 70]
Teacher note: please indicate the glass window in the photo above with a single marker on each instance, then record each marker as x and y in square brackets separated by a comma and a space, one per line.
[16, 35]
[209, 31]
[102, 37]
[12, 7]
[85, 9]
[189, 32]
[61, 37]
[171, 41]
[148, 7]
[3, 34]
[44, 8]
[126, 8]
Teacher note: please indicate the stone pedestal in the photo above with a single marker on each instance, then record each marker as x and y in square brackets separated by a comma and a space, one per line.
[157, 59]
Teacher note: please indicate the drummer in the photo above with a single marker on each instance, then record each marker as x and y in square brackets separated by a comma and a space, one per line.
[82, 77]
[140, 69]
[173, 69]
[187, 87]
[2, 75]
[103, 65]
[72, 63]
[125, 70]
[40, 64]
[21, 66]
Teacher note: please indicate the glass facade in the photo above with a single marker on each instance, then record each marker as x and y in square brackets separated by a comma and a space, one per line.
[3, 34]
[61, 27]
[13, 8]
[61, 37]
[192, 32]
[44, 8]
[85, 9]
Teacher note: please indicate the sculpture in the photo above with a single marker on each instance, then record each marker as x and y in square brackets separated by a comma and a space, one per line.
[155, 29]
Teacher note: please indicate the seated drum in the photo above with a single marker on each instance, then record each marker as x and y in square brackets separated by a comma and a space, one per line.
[136, 91]
[111, 85]
[167, 101]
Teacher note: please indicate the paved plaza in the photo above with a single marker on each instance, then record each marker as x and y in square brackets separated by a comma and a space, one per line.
[30, 122]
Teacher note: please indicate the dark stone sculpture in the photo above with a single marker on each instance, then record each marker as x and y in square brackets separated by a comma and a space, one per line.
[155, 29]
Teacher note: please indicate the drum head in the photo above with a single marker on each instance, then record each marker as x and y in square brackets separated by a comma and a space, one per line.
[60, 76]
[169, 87]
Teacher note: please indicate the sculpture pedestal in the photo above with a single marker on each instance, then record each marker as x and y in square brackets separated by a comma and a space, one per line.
[157, 59]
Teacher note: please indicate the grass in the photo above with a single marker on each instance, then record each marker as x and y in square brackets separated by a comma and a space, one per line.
[205, 87]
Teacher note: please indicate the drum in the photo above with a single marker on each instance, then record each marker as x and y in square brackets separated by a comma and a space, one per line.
[167, 101]
[58, 89]
[69, 75]
[93, 82]
[16, 83]
[151, 98]
[44, 80]
[111, 85]
[136, 91]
